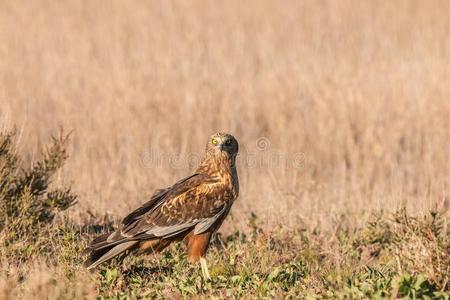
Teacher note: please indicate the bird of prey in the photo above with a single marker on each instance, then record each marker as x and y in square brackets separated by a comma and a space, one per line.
[192, 210]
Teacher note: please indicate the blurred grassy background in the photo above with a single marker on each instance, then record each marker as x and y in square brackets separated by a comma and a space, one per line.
[339, 106]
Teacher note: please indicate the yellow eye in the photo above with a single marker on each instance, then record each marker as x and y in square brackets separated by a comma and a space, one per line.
[214, 142]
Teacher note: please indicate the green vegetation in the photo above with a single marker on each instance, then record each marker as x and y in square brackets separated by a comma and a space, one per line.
[392, 255]
[28, 203]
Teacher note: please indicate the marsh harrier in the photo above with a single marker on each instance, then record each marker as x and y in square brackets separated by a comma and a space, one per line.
[192, 210]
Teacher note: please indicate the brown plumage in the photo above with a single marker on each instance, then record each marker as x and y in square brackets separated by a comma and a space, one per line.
[191, 209]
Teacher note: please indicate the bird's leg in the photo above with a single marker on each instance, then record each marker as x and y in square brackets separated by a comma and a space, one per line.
[205, 270]
[197, 246]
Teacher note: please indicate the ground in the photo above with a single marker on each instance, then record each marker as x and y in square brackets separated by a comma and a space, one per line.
[392, 255]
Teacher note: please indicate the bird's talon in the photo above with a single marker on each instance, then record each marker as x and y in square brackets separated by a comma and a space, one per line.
[205, 271]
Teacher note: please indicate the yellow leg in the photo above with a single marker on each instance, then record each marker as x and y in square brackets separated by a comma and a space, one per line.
[205, 270]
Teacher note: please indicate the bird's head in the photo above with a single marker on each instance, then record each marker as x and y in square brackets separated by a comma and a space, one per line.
[222, 144]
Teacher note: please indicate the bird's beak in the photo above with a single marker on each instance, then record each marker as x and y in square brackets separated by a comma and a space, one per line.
[221, 147]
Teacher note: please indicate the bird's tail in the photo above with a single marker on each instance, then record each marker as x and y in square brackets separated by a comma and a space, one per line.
[101, 251]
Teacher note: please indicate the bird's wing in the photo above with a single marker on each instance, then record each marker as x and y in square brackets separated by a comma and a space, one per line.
[207, 223]
[194, 202]
[159, 197]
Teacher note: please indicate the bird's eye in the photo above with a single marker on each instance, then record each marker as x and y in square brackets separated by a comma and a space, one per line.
[214, 142]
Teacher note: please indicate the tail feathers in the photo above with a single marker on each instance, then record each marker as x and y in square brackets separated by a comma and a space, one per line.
[102, 242]
[105, 253]
[100, 239]
[96, 244]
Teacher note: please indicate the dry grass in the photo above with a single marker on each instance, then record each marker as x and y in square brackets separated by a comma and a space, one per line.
[351, 98]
